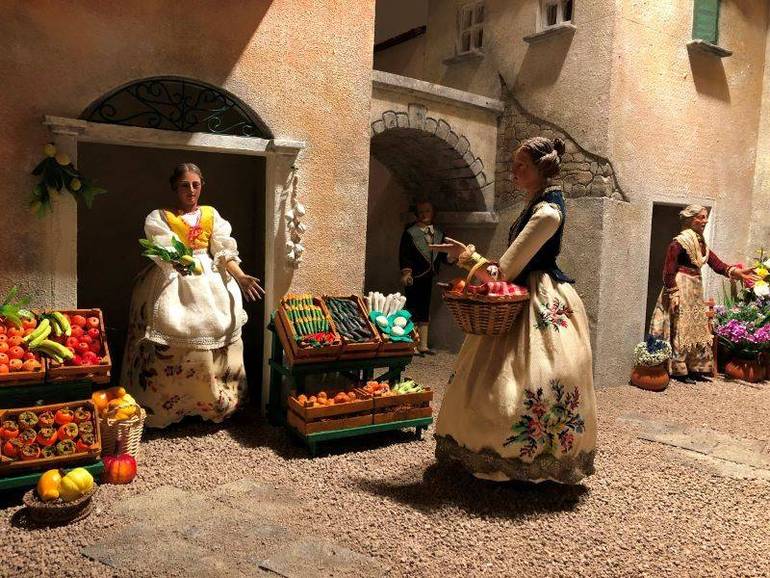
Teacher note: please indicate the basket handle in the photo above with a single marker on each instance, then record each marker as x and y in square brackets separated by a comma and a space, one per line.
[482, 262]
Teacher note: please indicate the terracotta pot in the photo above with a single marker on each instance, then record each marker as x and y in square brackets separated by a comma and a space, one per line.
[750, 370]
[652, 378]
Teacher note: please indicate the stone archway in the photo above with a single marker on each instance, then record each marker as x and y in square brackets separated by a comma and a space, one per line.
[430, 159]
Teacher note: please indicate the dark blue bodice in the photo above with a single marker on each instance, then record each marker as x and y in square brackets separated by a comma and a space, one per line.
[545, 258]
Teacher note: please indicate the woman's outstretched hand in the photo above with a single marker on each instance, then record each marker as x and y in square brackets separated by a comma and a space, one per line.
[452, 248]
[250, 287]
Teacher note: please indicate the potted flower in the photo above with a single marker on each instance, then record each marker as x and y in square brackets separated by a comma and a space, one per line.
[650, 364]
[746, 341]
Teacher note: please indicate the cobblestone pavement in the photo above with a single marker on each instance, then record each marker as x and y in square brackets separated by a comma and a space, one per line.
[681, 489]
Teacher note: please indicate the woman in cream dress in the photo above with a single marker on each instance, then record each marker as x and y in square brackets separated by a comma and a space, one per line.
[184, 354]
[521, 405]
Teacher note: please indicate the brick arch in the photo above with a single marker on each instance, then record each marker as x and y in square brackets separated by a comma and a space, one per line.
[429, 159]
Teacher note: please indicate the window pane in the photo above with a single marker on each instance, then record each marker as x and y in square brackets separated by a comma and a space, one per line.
[478, 38]
[479, 14]
[465, 45]
[567, 10]
[550, 15]
[467, 18]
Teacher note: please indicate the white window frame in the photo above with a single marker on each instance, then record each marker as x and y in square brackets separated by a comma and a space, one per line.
[470, 7]
[560, 20]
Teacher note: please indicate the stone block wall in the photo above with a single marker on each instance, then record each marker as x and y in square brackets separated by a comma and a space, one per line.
[583, 173]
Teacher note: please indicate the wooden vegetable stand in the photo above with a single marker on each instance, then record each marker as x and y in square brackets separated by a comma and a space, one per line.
[359, 362]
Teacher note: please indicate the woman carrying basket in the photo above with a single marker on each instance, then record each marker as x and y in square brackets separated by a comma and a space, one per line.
[521, 405]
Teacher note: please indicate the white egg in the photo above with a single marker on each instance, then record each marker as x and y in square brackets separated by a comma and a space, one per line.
[400, 322]
[382, 321]
[396, 330]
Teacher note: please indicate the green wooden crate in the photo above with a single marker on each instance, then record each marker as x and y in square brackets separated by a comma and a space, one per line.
[29, 480]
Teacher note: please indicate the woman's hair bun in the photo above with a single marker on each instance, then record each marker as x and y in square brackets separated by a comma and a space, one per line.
[559, 145]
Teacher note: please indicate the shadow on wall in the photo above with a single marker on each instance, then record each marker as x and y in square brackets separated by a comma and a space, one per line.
[708, 74]
[543, 62]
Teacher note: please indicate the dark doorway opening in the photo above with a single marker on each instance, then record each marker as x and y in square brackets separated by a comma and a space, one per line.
[109, 256]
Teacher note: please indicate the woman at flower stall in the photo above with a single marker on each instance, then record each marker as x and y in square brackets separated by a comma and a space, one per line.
[184, 354]
[521, 405]
[680, 313]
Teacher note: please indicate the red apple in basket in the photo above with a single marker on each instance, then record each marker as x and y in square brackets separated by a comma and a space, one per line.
[77, 332]
[93, 322]
[94, 333]
[79, 320]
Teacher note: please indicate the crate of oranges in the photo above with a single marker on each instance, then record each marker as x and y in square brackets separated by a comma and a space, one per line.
[18, 364]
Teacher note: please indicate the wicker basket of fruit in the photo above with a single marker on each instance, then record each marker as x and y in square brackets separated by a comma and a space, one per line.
[487, 309]
[61, 498]
[121, 421]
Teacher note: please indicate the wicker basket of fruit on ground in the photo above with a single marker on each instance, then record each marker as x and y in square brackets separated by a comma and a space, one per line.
[121, 421]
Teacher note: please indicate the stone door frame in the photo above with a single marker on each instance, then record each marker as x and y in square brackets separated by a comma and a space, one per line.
[279, 155]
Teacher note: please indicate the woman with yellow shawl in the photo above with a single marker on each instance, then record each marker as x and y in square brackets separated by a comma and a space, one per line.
[680, 313]
[184, 354]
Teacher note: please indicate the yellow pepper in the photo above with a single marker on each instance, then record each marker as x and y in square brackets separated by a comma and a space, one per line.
[48, 485]
[75, 484]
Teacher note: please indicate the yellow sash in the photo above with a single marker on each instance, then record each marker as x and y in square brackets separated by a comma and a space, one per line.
[190, 236]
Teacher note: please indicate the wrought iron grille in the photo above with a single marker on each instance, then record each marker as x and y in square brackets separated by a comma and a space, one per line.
[178, 104]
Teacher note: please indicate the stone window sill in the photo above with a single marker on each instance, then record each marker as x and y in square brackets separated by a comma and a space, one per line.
[560, 30]
[472, 56]
[709, 48]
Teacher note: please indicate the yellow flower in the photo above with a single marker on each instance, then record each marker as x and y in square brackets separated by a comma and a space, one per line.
[761, 272]
[75, 185]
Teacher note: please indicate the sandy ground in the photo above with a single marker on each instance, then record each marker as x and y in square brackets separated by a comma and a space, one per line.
[650, 509]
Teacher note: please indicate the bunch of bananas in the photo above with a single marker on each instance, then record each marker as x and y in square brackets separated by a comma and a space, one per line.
[38, 341]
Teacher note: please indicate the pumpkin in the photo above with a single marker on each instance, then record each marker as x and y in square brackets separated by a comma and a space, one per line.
[119, 469]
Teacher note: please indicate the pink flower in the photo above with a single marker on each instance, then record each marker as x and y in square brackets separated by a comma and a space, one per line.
[535, 428]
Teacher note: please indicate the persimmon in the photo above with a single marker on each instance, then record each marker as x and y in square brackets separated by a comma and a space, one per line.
[15, 364]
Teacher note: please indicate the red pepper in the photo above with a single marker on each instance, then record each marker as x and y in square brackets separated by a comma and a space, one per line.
[12, 448]
[47, 437]
[81, 415]
[30, 452]
[9, 430]
[69, 431]
[45, 419]
[27, 436]
[85, 443]
[64, 416]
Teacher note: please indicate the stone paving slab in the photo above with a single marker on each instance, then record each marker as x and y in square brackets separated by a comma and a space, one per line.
[704, 441]
[229, 531]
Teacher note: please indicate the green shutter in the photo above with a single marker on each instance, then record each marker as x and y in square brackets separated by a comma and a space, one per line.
[705, 22]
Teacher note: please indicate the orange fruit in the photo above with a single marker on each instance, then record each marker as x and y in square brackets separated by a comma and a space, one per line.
[4, 368]
[14, 331]
[3, 338]
[4, 359]
[15, 364]
[16, 352]
[28, 331]
[100, 399]
[15, 340]
[31, 365]
[29, 323]
[116, 392]
[2, 329]
[4, 347]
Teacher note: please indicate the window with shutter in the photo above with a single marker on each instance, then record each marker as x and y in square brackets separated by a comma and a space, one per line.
[705, 24]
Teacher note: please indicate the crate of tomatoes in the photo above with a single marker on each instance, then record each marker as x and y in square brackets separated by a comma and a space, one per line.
[48, 436]
[81, 350]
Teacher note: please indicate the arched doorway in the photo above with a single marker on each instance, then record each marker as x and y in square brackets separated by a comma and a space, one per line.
[136, 177]
[414, 156]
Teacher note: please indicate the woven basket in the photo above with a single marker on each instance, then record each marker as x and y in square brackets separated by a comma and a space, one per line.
[122, 437]
[57, 511]
[484, 314]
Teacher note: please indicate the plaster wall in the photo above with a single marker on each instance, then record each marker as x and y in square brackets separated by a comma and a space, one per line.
[406, 59]
[277, 56]
[683, 124]
[760, 208]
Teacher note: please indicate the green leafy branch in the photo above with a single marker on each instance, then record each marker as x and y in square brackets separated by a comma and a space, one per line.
[57, 173]
[13, 309]
[180, 255]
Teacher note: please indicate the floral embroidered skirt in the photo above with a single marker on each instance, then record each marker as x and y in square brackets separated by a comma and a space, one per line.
[522, 406]
[172, 382]
[687, 331]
